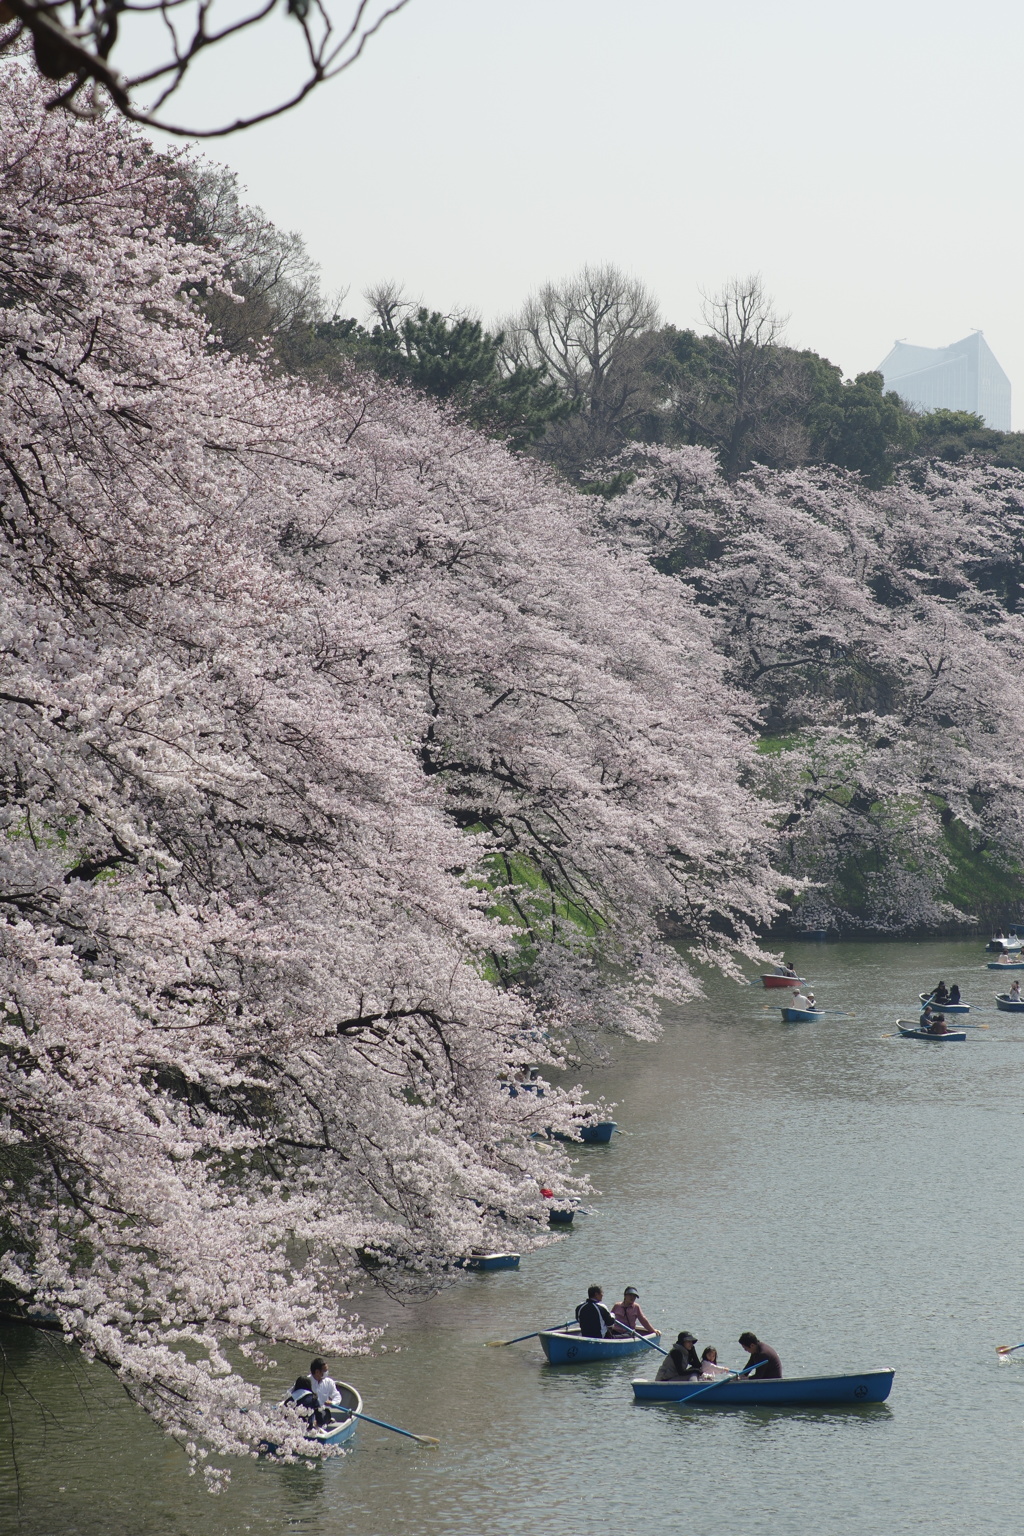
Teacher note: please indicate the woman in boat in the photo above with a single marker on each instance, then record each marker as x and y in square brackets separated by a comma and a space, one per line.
[954, 995]
[682, 1362]
[627, 1313]
[1014, 993]
[787, 968]
[940, 995]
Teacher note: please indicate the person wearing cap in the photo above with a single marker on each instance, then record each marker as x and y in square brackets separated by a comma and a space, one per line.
[764, 1363]
[627, 1313]
[682, 1362]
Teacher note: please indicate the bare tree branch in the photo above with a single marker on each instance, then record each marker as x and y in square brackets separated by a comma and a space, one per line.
[74, 43]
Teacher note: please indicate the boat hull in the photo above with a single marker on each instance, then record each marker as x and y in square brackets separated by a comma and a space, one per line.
[783, 981]
[801, 1015]
[1006, 965]
[1009, 1005]
[914, 1032]
[945, 1007]
[568, 1347]
[487, 1261]
[561, 1218]
[789, 1392]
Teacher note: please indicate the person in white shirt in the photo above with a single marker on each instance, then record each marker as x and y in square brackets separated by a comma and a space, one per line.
[1014, 994]
[325, 1387]
[709, 1365]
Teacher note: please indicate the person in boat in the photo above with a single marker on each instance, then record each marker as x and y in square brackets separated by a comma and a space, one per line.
[709, 1365]
[940, 995]
[595, 1321]
[802, 1000]
[325, 1388]
[627, 1313]
[682, 1362]
[787, 968]
[1014, 993]
[954, 995]
[938, 1025]
[764, 1363]
[928, 1017]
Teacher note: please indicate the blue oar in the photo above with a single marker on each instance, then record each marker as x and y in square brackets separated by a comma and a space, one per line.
[642, 1337]
[423, 1439]
[1008, 1349]
[501, 1343]
[733, 1375]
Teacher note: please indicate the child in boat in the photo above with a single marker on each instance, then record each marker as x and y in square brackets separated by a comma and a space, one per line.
[1014, 993]
[709, 1365]
[681, 1362]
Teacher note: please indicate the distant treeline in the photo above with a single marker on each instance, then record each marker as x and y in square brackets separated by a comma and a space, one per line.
[585, 367]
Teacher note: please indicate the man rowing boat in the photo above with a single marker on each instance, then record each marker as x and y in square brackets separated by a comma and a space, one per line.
[595, 1321]
[764, 1363]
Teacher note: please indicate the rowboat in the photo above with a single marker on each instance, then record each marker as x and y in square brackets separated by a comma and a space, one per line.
[567, 1346]
[783, 981]
[342, 1425]
[926, 997]
[789, 1392]
[561, 1216]
[591, 1131]
[915, 1032]
[1011, 942]
[1006, 965]
[801, 1015]
[1009, 1004]
[490, 1261]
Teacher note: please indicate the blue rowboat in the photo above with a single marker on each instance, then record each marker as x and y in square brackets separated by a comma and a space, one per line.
[801, 1015]
[599, 1131]
[789, 1392]
[1009, 1004]
[915, 1032]
[561, 1215]
[567, 1346]
[342, 1426]
[490, 1261]
[1006, 965]
[926, 997]
[592, 1130]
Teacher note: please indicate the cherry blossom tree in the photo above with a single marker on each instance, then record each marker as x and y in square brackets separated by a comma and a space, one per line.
[349, 767]
[878, 632]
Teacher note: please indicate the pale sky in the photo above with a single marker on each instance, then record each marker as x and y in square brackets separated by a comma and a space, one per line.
[865, 159]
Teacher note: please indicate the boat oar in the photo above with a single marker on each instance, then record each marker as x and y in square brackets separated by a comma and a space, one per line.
[503, 1343]
[423, 1439]
[732, 1376]
[1008, 1349]
[641, 1336]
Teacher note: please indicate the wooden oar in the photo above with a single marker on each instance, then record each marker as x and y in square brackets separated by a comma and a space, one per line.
[423, 1439]
[503, 1343]
[1008, 1349]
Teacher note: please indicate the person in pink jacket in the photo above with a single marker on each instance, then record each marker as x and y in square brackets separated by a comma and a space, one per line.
[627, 1312]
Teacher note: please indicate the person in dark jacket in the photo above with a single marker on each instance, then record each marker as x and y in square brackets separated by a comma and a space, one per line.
[595, 1321]
[764, 1364]
[682, 1363]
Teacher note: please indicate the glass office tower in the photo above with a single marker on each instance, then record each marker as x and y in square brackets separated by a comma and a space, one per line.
[961, 377]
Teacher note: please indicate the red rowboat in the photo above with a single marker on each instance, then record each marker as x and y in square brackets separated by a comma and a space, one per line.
[783, 981]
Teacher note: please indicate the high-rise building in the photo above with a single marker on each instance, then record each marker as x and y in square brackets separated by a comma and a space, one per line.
[962, 377]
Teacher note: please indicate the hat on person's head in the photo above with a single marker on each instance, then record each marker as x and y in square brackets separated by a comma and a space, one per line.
[631, 1290]
[686, 1338]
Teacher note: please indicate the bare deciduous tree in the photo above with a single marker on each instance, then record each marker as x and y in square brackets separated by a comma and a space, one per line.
[591, 334]
[80, 44]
